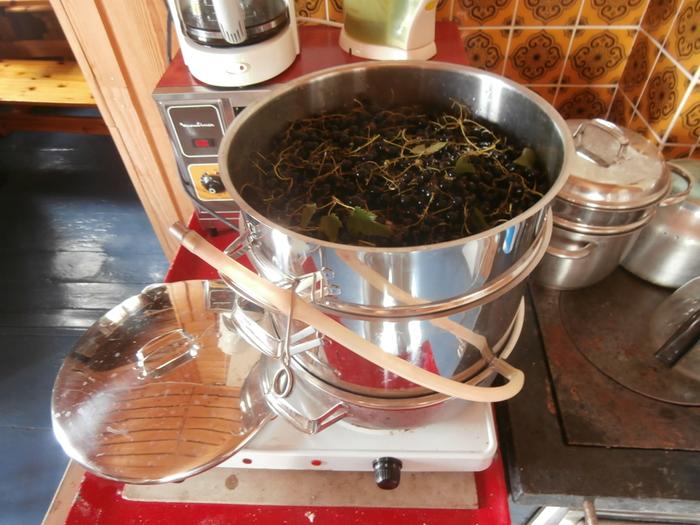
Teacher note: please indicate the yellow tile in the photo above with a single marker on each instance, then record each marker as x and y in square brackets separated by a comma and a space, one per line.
[662, 95]
[620, 110]
[639, 63]
[536, 56]
[637, 124]
[612, 12]
[676, 152]
[659, 16]
[684, 39]
[444, 8]
[598, 57]
[686, 129]
[311, 8]
[485, 49]
[484, 12]
[546, 92]
[583, 102]
[335, 10]
[547, 12]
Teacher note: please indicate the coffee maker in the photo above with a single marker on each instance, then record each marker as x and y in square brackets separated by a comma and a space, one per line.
[234, 43]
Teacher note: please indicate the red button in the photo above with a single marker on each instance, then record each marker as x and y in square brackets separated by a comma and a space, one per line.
[203, 143]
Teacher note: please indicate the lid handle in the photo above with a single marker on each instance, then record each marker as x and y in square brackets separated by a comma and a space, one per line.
[608, 127]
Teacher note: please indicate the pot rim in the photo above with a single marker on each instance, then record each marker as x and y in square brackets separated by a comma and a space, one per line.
[319, 76]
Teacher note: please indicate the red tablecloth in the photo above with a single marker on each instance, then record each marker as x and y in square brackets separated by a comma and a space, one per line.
[99, 502]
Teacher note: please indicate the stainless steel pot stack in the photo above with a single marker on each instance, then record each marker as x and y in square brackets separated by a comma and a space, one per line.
[667, 251]
[618, 179]
[444, 307]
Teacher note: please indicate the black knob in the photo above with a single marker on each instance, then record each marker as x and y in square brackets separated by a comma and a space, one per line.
[387, 472]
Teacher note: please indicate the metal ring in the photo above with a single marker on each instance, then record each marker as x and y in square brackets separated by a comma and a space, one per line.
[283, 382]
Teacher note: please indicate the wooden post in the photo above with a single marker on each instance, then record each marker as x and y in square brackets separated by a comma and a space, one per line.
[120, 47]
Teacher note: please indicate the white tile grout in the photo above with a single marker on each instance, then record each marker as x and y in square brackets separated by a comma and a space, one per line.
[646, 80]
[664, 51]
[509, 42]
[679, 110]
[568, 50]
[328, 11]
[452, 9]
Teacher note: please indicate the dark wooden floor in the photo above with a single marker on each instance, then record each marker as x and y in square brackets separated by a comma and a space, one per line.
[74, 242]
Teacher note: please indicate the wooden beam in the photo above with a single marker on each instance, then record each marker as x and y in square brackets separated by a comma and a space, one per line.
[44, 82]
[120, 47]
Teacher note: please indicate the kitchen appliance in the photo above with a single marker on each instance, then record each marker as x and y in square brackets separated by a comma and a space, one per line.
[394, 297]
[667, 251]
[389, 29]
[233, 43]
[618, 179]
[196, 115]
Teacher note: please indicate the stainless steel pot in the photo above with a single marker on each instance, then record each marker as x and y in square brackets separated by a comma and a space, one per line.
[575, 260]
[617, 182]
[366, 288]
[667, 251]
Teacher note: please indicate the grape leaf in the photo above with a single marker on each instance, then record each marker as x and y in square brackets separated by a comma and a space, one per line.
[464, 166]
[418, 150]
[479, 219]
[364, 222]
[421, 149]
[330, 225]
[434, 148]
[527, 158]
[306, 213]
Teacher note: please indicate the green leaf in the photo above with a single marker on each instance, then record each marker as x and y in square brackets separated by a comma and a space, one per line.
[479, 219]
[418, 150]
[330, 225]
[306, 213]
[421, 149]
[527, 158]
[464, 166]
[434, 148]
[364, 222]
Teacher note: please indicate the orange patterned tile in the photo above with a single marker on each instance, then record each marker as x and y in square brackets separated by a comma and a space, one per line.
[638, 66]
[612, 12]
[684, 39]
[637, 124]
[686, 129]
[546, 92]
[695, 154]
[335, 10]
[662, 95]
[536, 56]
[547, 12]
[598, 57]
[658, 18]
[583, 102]
[485, 49]
[676, 152]
[444, 10]
[484, 12]
[620, 110]
[311, 8]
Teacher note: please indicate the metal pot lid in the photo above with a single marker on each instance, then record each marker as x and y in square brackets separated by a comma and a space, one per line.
[154, 391]
[614, 168]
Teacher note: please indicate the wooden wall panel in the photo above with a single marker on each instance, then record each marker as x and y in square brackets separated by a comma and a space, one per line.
[120, 47]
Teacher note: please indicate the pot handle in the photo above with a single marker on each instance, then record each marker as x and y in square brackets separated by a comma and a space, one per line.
[255, 286]
[565, 253]
[608, 127]
[679, 197]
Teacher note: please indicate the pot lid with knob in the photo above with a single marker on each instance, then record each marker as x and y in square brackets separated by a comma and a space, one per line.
[614, 168]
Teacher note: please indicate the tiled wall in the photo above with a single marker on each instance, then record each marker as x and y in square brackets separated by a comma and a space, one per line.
[635, 60]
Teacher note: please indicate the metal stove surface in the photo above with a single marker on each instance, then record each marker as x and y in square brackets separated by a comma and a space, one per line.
[593, 343]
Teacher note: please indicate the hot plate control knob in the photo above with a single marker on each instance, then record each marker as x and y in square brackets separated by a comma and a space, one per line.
[387, 472]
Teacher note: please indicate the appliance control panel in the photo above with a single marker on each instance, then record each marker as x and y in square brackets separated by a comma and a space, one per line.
[196, 119]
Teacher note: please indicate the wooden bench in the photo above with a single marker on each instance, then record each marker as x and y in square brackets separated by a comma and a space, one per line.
[32, 87]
